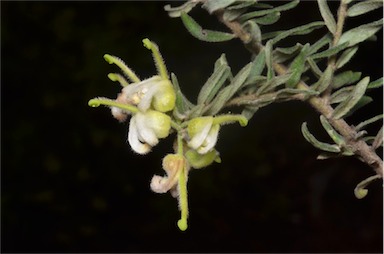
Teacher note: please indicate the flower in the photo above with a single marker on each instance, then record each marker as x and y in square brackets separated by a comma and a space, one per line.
[203, 131]
[145, 129]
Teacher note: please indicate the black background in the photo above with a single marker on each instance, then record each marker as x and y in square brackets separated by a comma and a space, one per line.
[70, 182]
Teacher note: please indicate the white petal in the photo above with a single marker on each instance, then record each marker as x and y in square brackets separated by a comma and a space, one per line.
[210, 140]
[146, 134]
[199, 138]
[147, 97]
[119, 114]
[159, 184]
[134, 141]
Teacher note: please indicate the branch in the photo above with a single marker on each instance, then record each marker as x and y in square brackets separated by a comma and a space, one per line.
[359, 147]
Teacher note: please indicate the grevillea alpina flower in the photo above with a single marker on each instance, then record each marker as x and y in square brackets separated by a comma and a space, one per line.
[203, 131]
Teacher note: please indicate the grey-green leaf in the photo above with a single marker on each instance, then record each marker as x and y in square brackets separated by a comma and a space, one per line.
[330, 52]
[336, 137]
[316, 143]
[213, 5]
[364, 7]
[345, 78]
[357, 93]
[361, 125]
[268, 60]
[300, 30]
[360, 33]
[326, 39]
[315, 69]
[346, 56]
[375, 84]
[297, 67]
[324, 81]
[213, 84]
[327, 16]
[268, 19]
[175, 12]
[202, 34]
[257, 67]
[260, 13]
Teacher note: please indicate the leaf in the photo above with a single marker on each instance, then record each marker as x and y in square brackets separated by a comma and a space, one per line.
[253, 29]
[364, 7]
[231, 15]
[361, 125]
[205, 35]
[175, 12]
[346, 56]
[364, 100]
[314, 68]
[268, 60]
[326, 39]
[283, 54]
[288, 92]
[345, 78]
[270, 85]
[226, 93]
[257, 67]
[336, 137]
[254, 14]
[268, 19]
[357, 93]
[316, 143]
[341, 95]
[324, 81]
[300, 30]
[378, 141]
[182, 103]
[360, 33]
[327, 15]
[213, 84]
[297, 67]
[330, 52]
[376, 84]
[213, 5]
[360, 190]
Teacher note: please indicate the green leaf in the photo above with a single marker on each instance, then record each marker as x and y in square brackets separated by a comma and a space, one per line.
[213, 5]
[226, 93]
[341, 94]
[258, 65]
[336, 137]
[182, 103]
[360, 33]
[297, 67]
[268, 60]
[300, 30]
[175, 12]
[316, 143]
[326, 39]
[213, 84]
[330, 52]
[361, 125]
[271, 84]
[314, 68]
[288, 92]
[357, 93]
[244, 4]
[364, 100]
[268, 19]
[375, 84]
[378, 141]
[364, 7]
[324, 81]
[281, 55]
[327, 16]
[231, 15]
[253, 29]
[260, 13]
[346, 56]
[205, 35]
[360, 190]
[345, 78]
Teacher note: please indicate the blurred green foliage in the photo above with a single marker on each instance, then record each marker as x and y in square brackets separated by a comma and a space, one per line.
[70, 182]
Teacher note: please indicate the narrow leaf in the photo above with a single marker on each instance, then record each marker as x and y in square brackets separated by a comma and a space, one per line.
[341, 94]
[378, 141]
[268, 60]
[324, 81]
[315, 69]
[330, 52]
[283, 7]
[376, 84]
[268, 19]
[360, 190]
[360, 33]
[327, 16]
[346, 56]
[175, 12]
[364, 7]
[213, 84]
[281, 55]
[213, 5]
[305, 29]
[316, 143]
[361, 125]
[364, 100]
[326, 39]
[344, 107]
[297, 67]
[336, 137]
[202, 34]
[257, 68]
[345, 78]
[270, 85]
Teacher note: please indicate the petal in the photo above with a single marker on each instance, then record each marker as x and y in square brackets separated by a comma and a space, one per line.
[210, 140]
[133, 139]
[198, 130]
[146, 133]
[160, 123]
[173, 165]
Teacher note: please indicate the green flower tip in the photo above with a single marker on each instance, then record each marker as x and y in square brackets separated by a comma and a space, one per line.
[108, 58]
[361, 193]
[147, 43]
[113, 77]
[243, 121]
[94, 103]
[182, 224]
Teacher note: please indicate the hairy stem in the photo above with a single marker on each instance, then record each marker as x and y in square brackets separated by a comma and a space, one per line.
[365, 152]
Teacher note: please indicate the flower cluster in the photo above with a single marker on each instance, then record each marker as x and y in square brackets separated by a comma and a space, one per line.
[150, 103]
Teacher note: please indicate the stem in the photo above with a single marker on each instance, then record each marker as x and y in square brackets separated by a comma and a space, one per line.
[322, 105]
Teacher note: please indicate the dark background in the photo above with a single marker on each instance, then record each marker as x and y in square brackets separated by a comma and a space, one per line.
[70, 182]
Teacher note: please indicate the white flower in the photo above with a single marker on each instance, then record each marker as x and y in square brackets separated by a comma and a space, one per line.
[145, 129]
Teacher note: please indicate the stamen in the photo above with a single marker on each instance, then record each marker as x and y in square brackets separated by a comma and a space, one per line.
[127, 71]
[117, 77]
[222, 119]
[96, 102]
